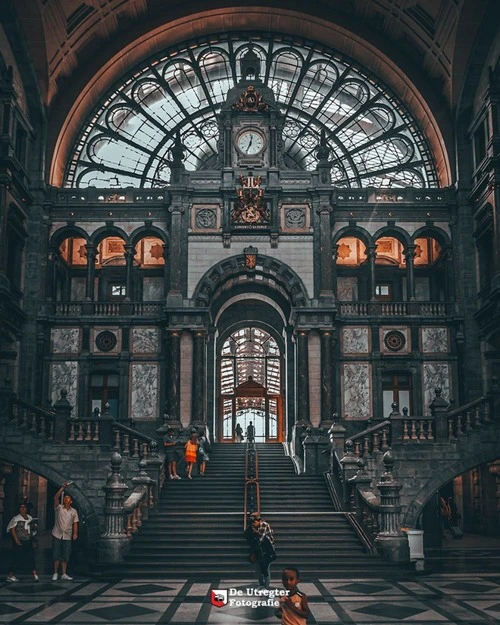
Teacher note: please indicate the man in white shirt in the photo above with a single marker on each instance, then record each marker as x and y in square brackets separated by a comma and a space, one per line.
[64, 531]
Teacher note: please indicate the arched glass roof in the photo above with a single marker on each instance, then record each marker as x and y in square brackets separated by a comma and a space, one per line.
[374, 140]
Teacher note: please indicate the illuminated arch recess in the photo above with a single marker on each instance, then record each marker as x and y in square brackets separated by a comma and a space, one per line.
[374, 139]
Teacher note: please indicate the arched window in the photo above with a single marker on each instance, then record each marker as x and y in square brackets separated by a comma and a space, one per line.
[373, 138]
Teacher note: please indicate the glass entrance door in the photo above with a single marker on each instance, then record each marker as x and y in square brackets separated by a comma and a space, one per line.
[263, 412]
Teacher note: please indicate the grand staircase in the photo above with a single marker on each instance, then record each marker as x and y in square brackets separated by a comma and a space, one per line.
[197, 528]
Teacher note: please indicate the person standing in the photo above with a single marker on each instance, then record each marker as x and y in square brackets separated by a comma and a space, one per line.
[294, 608]
[64, 531]
[203, 452]
[239, 433]
[22, 528]
[191, 453]
[260, 536]
[169, 442]
[250, 432]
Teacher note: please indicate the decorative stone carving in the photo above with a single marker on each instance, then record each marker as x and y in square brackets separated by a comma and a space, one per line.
[435, 375]
[65, 340]
[206, 218]
[106, 341]
[356, 386]
[434, 340]
[355, 341]
[144, 392]
[295, 218]
[145, 340]
[395, 340]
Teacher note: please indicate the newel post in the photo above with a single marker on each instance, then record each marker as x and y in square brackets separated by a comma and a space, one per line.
[114, 541]
[391, 543]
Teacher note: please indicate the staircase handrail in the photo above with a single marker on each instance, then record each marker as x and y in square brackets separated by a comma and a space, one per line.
[251, 481]
[337, 504]
[472, 404]
[41, 411]
[117, 425]
[369, 437]
[373, 428]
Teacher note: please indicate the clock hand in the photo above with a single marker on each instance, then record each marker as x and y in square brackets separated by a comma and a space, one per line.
[250, 143]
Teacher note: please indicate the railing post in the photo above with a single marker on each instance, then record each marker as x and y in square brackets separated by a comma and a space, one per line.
[349, 464]
[155, 469]
[63, 409]
[314, 444]
[396, 419]
[337, 435]
[439, 410]
[391, 543]
[144, 479]
[359, 482]
[114, 541]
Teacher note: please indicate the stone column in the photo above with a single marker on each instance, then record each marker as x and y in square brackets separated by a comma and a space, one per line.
[439, 410]
[327, 385]
[176, 253]
[173, 375]
[165, 271]
[198, 416]
[326, 256]
[303, 376]
[371, 253]
[89, 286]
[410, 278]
[390, 541]
[129, 263]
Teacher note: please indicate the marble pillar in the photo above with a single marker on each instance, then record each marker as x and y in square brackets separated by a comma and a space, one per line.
[303, 376]
[89, 285]
[172, 402]
[327, 381]
[410, 272]
[198, 416]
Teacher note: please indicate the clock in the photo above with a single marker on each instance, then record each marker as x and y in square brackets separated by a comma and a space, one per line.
[250, 142]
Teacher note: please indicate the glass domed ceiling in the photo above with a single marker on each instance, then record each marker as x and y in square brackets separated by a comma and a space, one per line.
[374, 140]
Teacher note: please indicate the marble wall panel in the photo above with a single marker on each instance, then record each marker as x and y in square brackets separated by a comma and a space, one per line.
[355, 341]
[153, 289]
[347, 288]
[78, 289]
[144, 391]
[145, 340]
[356, 390]
[434, 340]
[64, 376]
[435, 375]
[65, 340]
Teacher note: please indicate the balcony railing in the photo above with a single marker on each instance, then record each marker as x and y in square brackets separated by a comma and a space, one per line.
[397, 309]
[105, 309]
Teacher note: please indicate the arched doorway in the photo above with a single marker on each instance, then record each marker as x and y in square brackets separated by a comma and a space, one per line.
[250, 377]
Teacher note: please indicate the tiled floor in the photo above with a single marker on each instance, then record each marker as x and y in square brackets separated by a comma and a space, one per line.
[465, 599]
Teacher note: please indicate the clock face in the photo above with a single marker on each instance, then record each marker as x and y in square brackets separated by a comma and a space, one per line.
[250, 143]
